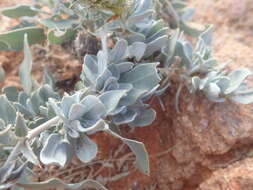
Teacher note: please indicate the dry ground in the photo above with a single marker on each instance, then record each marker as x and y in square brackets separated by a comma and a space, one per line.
[170, 166]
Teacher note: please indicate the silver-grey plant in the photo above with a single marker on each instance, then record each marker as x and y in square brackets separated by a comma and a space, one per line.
[39, 126]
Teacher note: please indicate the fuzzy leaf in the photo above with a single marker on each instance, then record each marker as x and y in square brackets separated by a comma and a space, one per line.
[7, 111]
[90, 69]
[56, 108]
[125, 117]
[57, 183]
[139, 150]
[137, 50]
[46, 92]
[14, 39]
[24, 110]
[139, 17]
[20, 127]
[11, 92]
[223, 83]
[101, 80]
[35, 101]
[186, 14]
[169, 51]
[236, 78]
[141, 82]
[213, 92]
[196, 83]
[19, 11]
[86, 149]
[102, 62]
[56, 151]
[4, 133]
[184, 51]
[22, 98]
[179, 4]
[25, 68]
[156, 45]
[191, 29]
[98, 126]
[136, 37]
[143, 5]
[58, 24]
[156, 26]
[158, 34]
[144, 118]
[143, 76]
[56, 37]
[94, 108]
[243, 98]
[76, 111]
[207, 35]
[111, 99]
[2, 73]
[66, 103]
[119, 51]
[243, 89]
[48, 78]
[125, 67]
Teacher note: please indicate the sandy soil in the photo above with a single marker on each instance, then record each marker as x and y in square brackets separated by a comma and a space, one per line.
[233, 23]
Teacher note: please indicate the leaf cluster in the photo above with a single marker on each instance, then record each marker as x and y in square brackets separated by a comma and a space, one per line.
[40, 126]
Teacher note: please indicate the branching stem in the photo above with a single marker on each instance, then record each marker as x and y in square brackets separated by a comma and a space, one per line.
[14, 153]
[33, 133]
[47, 125]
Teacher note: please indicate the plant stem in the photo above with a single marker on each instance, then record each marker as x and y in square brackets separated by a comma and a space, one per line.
[177, 97]
[33, 133]
[14, 152]
[47, 125]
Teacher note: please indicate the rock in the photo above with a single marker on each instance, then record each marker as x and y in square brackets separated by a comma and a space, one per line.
[238, 176]
[203, 139]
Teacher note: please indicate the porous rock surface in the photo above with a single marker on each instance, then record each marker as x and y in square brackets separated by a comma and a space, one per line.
[209, 147]
[208, 138]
